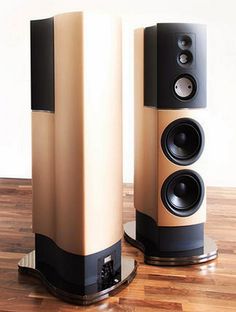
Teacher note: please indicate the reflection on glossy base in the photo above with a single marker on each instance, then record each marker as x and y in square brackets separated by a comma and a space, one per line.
[208, 252]
[128, 271]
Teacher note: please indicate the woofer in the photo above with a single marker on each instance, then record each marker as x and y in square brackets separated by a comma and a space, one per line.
[183, 141]
[182, 192]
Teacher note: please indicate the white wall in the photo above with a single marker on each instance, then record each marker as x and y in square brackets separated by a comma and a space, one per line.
[220, 17]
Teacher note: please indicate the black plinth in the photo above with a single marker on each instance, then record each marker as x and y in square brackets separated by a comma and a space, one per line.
[128, 271]
[207, 253]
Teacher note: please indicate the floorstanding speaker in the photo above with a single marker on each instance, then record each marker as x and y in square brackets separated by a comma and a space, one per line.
[169, 185]
[77, 157]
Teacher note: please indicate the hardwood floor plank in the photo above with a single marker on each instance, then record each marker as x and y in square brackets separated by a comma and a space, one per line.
[206, 287]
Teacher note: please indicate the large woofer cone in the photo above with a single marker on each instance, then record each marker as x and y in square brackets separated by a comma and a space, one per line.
[182, 193]
[183, 141]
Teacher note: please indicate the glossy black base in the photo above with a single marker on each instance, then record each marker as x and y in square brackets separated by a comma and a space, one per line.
[208, 252]
[168, 241]
[103, 291]
[73, 272]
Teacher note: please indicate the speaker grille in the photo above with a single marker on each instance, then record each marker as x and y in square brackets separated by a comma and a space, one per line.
[183, 141]
[182, 192]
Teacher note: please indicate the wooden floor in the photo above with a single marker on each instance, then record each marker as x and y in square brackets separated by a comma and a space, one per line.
[206, 287]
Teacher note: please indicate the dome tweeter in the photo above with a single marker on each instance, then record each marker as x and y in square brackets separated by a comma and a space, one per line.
[185, 87]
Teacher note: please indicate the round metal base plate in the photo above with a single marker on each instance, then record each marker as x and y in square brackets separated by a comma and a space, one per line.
[128, 271]
[209, 250]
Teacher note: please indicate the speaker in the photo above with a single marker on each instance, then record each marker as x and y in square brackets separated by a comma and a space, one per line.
[77, 155]
[170, 101]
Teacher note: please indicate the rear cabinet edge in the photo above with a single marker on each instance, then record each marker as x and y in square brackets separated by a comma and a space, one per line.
[42, 64]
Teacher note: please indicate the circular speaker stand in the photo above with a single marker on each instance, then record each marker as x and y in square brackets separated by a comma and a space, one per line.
[210, 250]
[128, 271]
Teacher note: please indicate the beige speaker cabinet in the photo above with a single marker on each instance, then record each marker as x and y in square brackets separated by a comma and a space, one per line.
[77, 155]
[170, 161]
